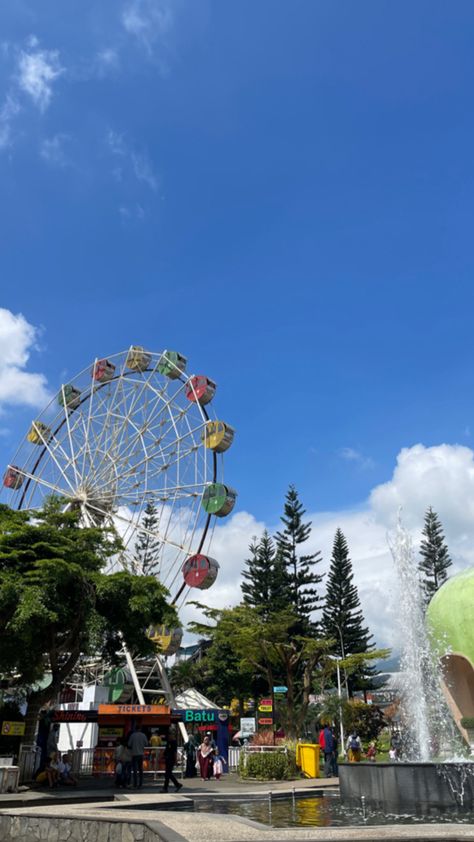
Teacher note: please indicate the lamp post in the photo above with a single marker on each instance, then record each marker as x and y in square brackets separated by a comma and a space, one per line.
[336, 658]
[343, 655]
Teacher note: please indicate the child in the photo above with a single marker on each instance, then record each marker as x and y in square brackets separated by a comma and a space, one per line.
[49, 773]
[392, 754]
[371, 751]
[218, 766]
[64, 769]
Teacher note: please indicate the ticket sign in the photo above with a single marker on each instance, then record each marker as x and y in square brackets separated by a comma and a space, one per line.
[265, 720]
[265, 708]
[113, 710]
[13, 729]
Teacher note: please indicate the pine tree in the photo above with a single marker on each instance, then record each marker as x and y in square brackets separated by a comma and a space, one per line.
[342, 619]
[265, 585]
[256, 584]
[300, 568]
[435, 558]
[147, 548]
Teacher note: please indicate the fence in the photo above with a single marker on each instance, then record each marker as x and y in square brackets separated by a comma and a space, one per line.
[97, 762]
[236, 752]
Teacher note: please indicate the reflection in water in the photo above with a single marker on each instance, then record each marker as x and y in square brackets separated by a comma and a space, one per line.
[319, 811]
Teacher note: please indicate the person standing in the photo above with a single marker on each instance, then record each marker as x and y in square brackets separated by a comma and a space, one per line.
[205, 753]
[335, 748]
[137, 743]
[52, 741]
[171, 753]
[190, 754]
[328, 751]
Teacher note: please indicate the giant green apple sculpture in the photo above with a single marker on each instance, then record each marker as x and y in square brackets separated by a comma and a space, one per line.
[450, 616]
[450, 621]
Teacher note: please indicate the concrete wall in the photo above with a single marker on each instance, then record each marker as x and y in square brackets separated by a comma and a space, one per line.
[408, 787]
[32, 828]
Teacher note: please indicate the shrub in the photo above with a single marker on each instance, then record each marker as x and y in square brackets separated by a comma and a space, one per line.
[266, 765]
[262, 738]
[468, 722]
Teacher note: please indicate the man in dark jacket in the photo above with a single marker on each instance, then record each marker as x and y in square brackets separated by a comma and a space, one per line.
[171, 751]
[328, 752]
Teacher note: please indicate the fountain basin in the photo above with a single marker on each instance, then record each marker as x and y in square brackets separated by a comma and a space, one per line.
[408, 787]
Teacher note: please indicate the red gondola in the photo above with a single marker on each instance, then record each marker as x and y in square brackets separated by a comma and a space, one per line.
[200, 571]
[13, 478]
[103, 370]
[201, 389]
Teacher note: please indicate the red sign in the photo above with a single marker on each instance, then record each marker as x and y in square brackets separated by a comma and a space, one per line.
[266, 701]
[265, 720]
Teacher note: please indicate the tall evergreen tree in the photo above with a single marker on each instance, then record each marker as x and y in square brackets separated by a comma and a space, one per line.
[435, 558]
[265, 585]
[302, 575]
[147, 548]
[342, 619]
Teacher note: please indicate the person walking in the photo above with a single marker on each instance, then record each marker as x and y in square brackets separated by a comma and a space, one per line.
[171, 753]
[205, 753]
[328, 751]
[354, 748]
[136, 743]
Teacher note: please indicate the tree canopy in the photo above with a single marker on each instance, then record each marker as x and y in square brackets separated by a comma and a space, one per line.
[301, 568]
[435, 559]
[57, 603]
[147, 548]
[342, 619]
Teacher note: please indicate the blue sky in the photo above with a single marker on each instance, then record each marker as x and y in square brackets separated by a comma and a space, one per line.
[280, 190]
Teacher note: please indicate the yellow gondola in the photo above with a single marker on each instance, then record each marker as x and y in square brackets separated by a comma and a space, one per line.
[39, 433]
[138, 359]
[166, 640]
[218, 436]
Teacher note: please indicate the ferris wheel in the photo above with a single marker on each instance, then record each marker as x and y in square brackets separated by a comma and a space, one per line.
[129, 430]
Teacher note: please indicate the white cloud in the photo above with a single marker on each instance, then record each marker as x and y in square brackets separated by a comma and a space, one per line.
[17, 386]
[352, 455]
[37, 71]
[8, 112]
[440, 476]
[136, 163]
[52, 150]
[149, 21]
[144, 171]
[107, 61]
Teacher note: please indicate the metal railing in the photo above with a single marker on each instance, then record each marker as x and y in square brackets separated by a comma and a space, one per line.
[28, 761]
[97, 762]
[101, 762]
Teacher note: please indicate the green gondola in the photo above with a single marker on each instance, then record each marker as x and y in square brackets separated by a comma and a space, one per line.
[171, 364]
[218, 499]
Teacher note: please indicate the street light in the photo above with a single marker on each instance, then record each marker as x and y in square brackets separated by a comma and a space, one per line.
[336, 658]
[343, 655]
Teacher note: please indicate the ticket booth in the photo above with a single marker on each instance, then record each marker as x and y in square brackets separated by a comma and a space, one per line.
[117, 722]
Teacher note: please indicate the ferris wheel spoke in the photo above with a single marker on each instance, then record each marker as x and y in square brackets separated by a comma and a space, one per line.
[36, 480]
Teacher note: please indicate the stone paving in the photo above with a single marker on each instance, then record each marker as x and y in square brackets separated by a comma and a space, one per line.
[111, 821]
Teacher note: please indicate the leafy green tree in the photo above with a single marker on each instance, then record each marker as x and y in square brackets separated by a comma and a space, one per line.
[342, 619]
[435, 558]
[268, 647]
[266, 583]
[301, 569]
[147, 548]
[57, 604]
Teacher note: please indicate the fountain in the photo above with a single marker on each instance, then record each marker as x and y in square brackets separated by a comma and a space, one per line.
[434, 773]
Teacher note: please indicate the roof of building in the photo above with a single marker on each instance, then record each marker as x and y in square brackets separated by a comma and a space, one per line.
[192, 699]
